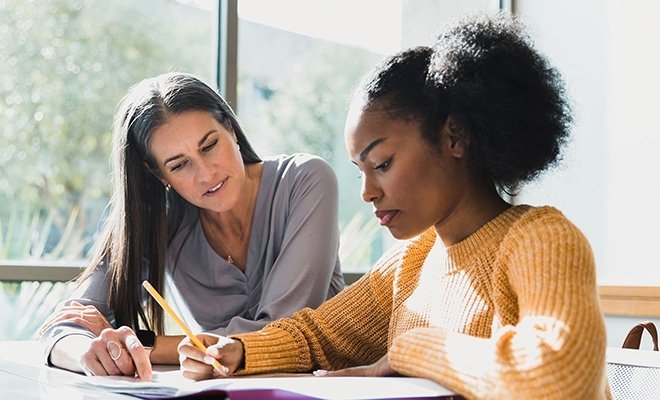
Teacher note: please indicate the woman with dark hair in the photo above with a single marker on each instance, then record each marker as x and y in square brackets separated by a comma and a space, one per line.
[234, 241]
[490, 299]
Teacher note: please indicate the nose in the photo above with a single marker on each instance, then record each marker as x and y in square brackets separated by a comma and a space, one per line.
[204, 172]
[369, 191]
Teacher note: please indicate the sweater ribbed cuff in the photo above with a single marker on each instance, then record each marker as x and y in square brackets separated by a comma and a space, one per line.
[421, 352]
[273, 350]
[411, 352]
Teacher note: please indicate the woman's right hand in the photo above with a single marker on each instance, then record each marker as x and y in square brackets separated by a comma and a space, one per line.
[117, 352]
[89, 317]
[196, 364]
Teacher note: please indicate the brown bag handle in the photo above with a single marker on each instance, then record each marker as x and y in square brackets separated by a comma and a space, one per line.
[634, 337]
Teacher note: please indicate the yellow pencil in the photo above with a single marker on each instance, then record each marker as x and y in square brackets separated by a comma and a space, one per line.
[152, 291]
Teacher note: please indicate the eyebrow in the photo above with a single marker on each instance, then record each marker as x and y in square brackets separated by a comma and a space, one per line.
[201, 141]
[364, 153]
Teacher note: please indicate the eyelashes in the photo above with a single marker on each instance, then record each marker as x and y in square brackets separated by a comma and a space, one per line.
[382, 167]
[205, 149]
[178, 167]
[210, 146]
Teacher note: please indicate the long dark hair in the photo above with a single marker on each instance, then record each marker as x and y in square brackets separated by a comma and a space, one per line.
[144, 214]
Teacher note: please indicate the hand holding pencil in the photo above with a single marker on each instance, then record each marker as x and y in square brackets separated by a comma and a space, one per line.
[194, 362]
[197, 353]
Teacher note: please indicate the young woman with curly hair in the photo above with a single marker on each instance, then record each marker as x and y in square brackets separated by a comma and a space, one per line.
[490, 299]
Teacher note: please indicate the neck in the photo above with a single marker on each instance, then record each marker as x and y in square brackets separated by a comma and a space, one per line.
[236, 221]
[473, 211]
[228, 232]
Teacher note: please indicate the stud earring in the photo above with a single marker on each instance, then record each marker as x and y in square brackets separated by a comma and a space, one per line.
[238, 146]
[168, 187]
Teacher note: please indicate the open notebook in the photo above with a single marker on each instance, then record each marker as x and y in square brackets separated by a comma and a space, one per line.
[171, 385]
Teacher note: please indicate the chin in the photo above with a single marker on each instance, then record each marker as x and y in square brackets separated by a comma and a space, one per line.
[405, 234]
[401, 235]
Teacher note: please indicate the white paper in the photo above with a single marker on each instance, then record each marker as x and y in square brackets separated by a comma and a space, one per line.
[173, 384]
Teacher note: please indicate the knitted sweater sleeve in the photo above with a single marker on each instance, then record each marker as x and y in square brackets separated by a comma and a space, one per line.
[348, 330]
[556, 350]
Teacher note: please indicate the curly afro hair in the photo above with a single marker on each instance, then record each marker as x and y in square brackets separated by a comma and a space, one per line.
[503, 94]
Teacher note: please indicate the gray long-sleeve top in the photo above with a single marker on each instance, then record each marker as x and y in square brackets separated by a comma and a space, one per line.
[292, 259]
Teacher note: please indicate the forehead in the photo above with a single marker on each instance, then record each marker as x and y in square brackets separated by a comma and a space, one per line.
[188, 125]
[182, 130]
[363, 126]
[187, 120]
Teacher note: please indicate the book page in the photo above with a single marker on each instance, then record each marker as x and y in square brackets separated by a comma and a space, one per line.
[172, 385]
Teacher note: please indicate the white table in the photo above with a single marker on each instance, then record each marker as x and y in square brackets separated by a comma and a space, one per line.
[23, 376]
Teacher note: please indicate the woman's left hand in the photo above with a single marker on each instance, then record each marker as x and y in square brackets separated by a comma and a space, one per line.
[379, 368]
[88, 317]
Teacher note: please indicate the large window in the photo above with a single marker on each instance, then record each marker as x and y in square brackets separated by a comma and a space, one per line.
[64, 66]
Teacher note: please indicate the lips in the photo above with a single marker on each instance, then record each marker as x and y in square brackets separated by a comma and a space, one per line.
[213, 190]
[385, 216]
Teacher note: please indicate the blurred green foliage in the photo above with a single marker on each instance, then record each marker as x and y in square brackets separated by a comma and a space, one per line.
[309, 102]
[25, 305]
[64, 66]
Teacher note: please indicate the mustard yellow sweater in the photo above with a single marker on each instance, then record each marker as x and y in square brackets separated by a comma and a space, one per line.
[510, 312]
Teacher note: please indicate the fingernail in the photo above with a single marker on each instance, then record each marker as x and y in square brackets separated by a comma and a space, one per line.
[208, 359]
[320, 372]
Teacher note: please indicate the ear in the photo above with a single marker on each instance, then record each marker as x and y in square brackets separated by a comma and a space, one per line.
[155, 173]
[457, 139]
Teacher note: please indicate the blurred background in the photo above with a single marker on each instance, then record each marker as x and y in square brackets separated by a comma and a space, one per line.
[287, 68]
